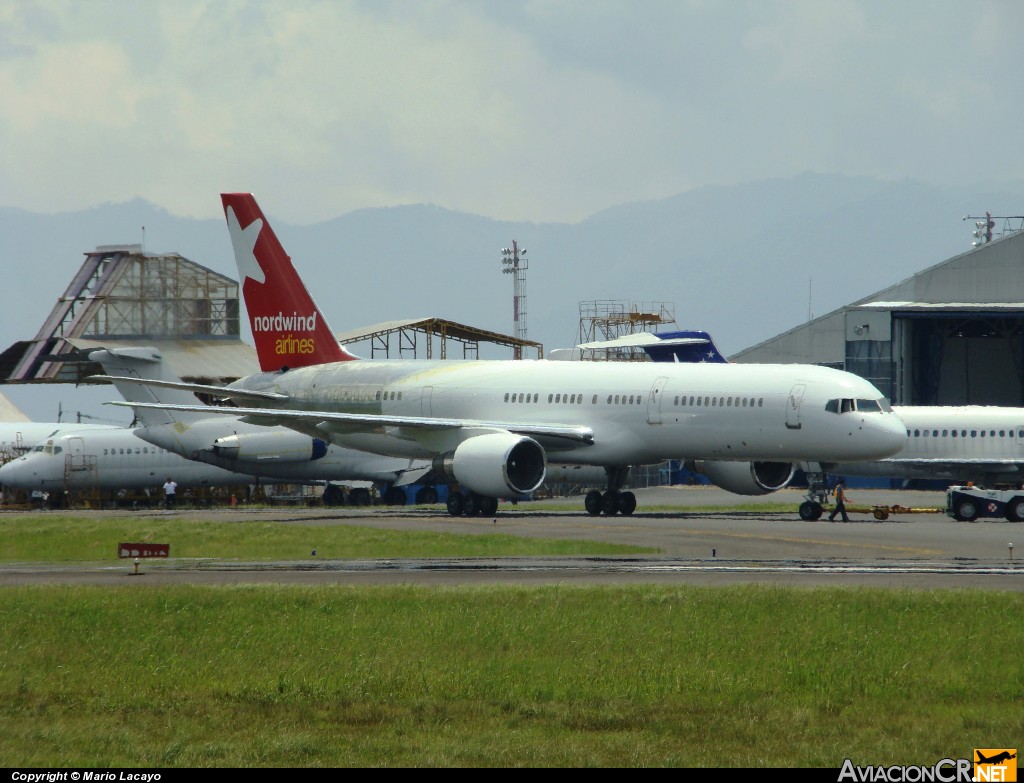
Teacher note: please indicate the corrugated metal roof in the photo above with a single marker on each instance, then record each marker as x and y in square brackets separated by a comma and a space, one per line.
[939, 306]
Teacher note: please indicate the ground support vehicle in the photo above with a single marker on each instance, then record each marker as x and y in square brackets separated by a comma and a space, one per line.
[969, 503]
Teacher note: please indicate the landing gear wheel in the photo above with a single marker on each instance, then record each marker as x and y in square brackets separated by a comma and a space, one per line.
[471, 508]
[360, 497]
[456, 504]
[1015, 510]
[966, 511]
[488, 507]
[627, 503]
[333, 496]
[395, 496]
[592, 503]
[810, 511]
[610, 503]
[426, 496]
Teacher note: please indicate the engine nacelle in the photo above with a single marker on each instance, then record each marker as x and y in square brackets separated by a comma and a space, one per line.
[745, 478]
[495, 465]
[274, 447]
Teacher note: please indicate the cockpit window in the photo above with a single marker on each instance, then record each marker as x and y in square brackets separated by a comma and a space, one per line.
[865, 406]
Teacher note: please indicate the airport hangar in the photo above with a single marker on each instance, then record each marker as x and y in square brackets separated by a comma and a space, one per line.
[952, 334]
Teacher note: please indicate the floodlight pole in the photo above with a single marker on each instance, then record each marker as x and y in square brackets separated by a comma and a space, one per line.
[515, 263]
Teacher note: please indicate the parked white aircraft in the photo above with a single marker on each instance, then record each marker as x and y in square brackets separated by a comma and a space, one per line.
[271, 453]
[107, 459]
[491, 425]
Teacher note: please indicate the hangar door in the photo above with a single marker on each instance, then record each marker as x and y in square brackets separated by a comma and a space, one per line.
[959, 358]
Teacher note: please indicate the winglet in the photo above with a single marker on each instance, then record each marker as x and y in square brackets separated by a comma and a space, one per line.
[288, 328]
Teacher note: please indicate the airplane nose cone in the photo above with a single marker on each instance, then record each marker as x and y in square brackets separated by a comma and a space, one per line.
[17, 474]
[889, 434]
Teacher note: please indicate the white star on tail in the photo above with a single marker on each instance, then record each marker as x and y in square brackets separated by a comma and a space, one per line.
[243, 240]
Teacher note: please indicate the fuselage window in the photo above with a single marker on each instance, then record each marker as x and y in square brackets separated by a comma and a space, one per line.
[609, 399]
[1002, 433]
[579, 399]
[616, 399]
[104, 452]
[974, 433]
[954, 433]
[572, 399]
[551, 397]
[676, 401]
[917, 433]
[963, 433]
[992, 433]
[594, 401]
[698, 402]
[506, 396]
[714, 402]
[945, 433]
[707, 402]
[558, 398]
[982, 433]
[935, 433]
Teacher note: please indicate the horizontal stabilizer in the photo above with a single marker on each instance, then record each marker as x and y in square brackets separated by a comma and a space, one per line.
[197, 388]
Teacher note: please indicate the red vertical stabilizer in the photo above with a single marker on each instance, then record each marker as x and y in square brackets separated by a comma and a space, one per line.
[288, 328]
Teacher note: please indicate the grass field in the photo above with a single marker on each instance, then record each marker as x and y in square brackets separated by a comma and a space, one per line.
[632, 676]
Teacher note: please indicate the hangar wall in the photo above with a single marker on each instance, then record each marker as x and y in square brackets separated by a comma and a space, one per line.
[952, 334]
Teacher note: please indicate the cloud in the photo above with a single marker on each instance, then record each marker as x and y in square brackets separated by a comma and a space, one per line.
[545, 111]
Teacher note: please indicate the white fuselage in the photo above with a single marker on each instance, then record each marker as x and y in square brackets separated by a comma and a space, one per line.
[107, 459]
[959, 443]
[639, 413]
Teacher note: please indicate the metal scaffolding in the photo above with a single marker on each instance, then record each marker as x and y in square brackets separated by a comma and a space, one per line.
[606, 319]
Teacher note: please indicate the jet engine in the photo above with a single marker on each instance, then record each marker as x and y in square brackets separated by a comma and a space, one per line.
[745, 478]
[279, 447]
[495, 465]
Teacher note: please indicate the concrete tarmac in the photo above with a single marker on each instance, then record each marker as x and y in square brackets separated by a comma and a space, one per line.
[703, 540]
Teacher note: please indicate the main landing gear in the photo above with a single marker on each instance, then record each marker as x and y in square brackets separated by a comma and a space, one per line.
[612, 501]
[471, 505]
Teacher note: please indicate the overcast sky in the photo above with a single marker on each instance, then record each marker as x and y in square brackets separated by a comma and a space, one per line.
[541, 110]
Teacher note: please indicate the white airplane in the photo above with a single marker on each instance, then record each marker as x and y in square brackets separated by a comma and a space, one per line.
[107, 459]
[270, 453]
[491, 425]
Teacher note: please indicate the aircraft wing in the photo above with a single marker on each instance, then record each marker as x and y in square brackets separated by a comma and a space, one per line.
[556, 436]
[198, 388]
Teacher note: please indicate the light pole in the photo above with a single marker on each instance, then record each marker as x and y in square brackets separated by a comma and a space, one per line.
[515, 263]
